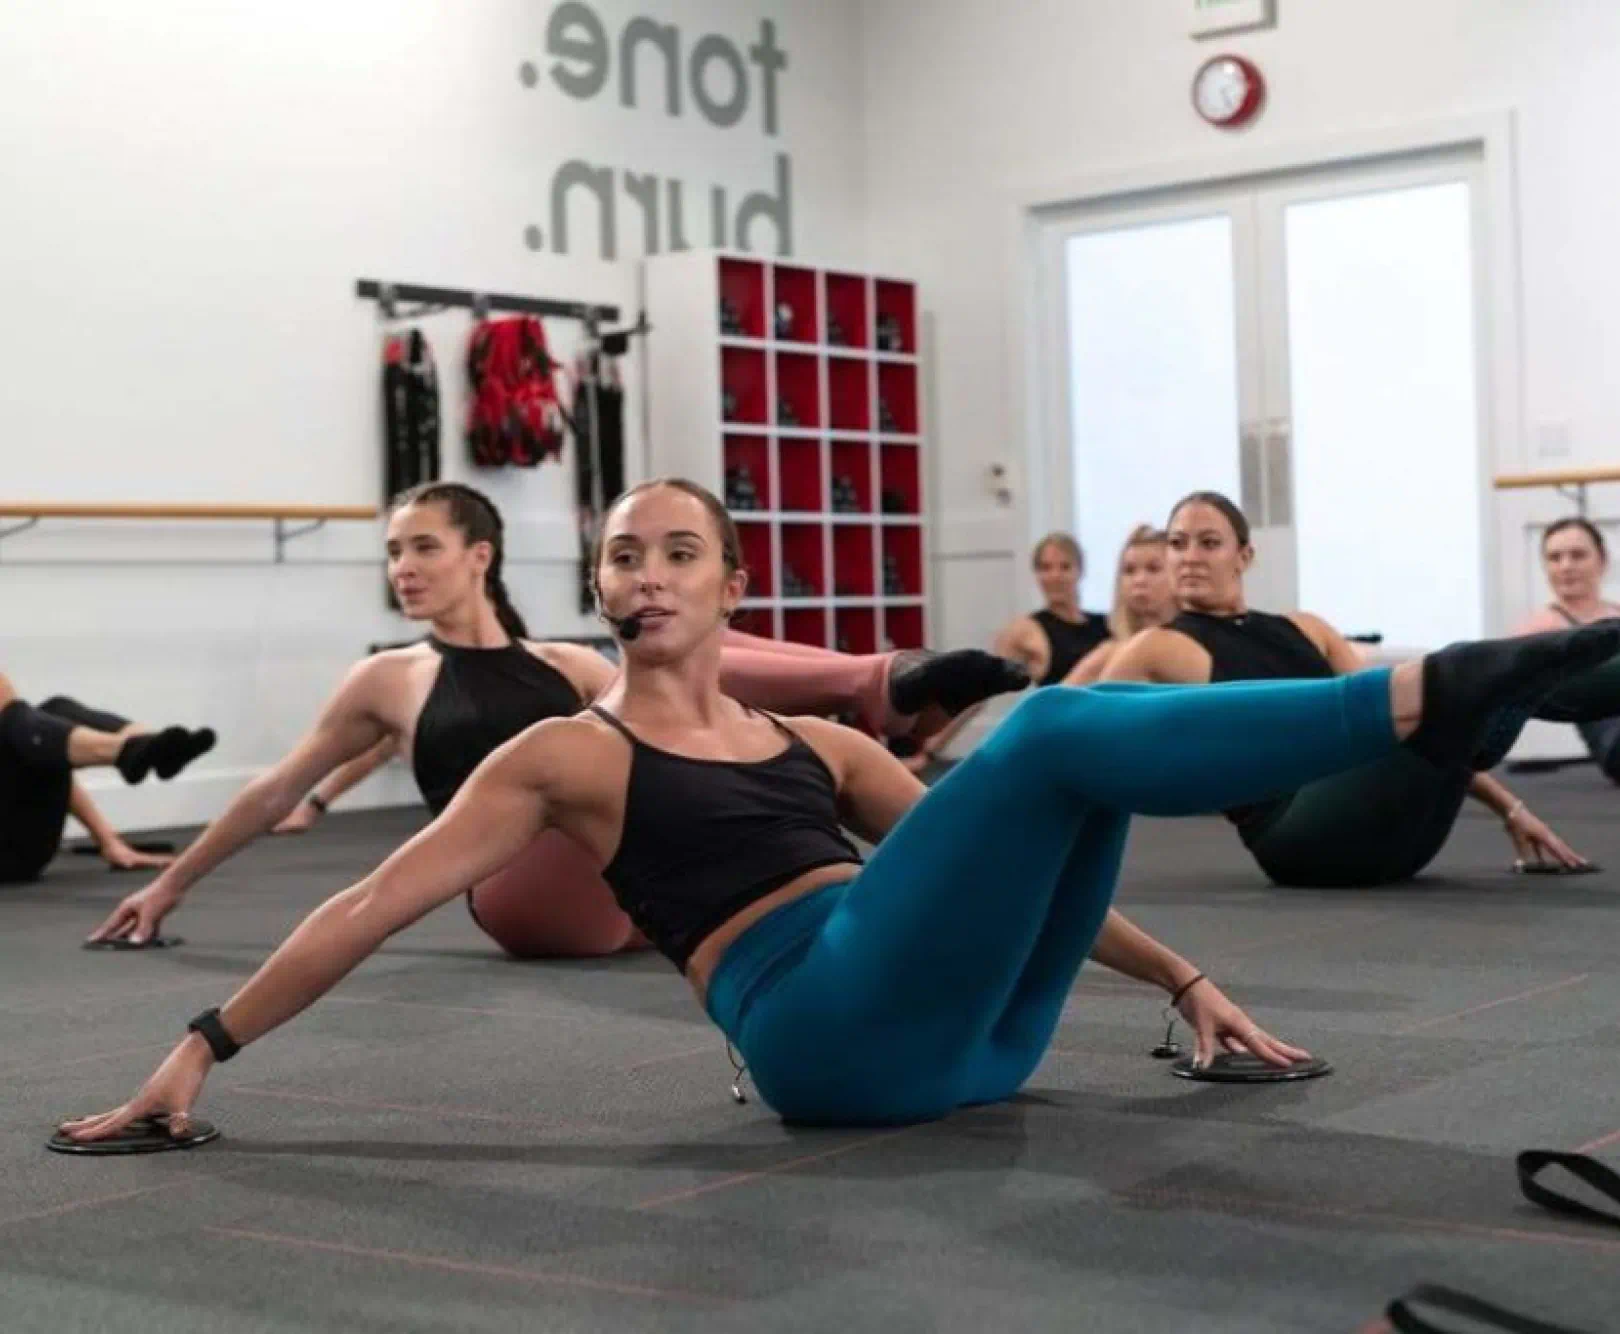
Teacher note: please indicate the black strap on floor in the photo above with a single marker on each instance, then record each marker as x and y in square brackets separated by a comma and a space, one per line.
[1604, 1180]
[1402, 1314]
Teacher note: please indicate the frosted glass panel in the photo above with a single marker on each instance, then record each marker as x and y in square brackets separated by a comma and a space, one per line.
[1152, 379]
[1386, 459]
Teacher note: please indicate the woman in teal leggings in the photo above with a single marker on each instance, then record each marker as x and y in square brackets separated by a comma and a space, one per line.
[935, 975]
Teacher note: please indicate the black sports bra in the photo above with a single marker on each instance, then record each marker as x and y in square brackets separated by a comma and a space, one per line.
[481, 699]
[703, 839]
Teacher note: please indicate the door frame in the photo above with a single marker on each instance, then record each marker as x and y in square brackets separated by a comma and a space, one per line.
[1037, 363]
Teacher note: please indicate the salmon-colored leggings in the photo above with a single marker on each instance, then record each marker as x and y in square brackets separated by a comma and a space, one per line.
[550, 901]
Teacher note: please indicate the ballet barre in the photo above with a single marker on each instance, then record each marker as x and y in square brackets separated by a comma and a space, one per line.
[312, 516]
[1568, 482]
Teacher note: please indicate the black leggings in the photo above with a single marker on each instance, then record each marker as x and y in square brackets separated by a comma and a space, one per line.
[1375, 825]
[1592, 702]
[1386, 821]
[36, 780]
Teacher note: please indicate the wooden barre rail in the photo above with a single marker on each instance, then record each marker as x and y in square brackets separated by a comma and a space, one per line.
[33, 510]
[315, 516]
[1560, 478]
[1568, 482]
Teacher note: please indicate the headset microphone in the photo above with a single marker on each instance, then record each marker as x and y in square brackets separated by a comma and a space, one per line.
[627, 626]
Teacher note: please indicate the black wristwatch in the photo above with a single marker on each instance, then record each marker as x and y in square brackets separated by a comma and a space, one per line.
[221, 1043]
[314, 799]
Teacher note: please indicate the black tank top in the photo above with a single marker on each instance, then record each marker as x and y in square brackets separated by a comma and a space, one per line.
[481, 699]
[1068, 641]
[1255, 646]
[703, 839]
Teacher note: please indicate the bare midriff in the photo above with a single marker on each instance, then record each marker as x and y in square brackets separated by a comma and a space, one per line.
[704, 959]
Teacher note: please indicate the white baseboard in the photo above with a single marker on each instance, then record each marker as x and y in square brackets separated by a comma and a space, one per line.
[193, 799]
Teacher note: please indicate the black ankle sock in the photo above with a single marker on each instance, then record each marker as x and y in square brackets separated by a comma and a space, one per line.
[954, 681]
[198, 742]
[1478, 696]
[165, 753]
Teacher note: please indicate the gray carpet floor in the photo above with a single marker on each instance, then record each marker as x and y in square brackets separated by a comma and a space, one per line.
[455, 1140]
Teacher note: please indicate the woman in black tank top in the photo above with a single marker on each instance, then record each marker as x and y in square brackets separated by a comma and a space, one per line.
[1050, 641]
[477, 680]
[1374, 826]
[1576, 559]
[936, 975]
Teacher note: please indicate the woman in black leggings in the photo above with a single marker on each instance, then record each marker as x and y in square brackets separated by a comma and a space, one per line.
[1374, 825]
[39, 750]
[1576, 559]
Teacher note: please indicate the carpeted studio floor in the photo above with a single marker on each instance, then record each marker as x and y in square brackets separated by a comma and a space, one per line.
[456, 1141]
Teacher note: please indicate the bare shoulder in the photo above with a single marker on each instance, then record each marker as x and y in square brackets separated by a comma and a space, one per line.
[381, 678]
[584, 668]
[564, 755]
[838, 746]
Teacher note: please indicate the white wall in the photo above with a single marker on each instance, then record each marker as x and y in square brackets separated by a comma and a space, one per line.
[192, 190]
[969, 103]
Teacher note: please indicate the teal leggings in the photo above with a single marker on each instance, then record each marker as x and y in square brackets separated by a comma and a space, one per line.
[935, 977]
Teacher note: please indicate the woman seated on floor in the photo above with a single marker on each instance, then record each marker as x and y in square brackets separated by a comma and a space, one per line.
[40, 747]
[1142, 598]
[1575, 558]
[1377, 824]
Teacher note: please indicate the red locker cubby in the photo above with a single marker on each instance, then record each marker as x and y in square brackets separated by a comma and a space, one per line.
[742, 287]
[855, 630]
[854, 561]
[747, 479]
[849, 393]
[796, 290]
[897, 392]
[902, 561]
[805, 625]
[799, 467]
[756, 552]
[851, 475]
[903, 627]
[901, 492]
[742, 385]
[803, 554]
[896, 317]
[846, 311]
[798, 390]
[829, 495]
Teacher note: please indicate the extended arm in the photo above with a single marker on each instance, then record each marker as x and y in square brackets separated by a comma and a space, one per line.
[347, 728]
[500, 808]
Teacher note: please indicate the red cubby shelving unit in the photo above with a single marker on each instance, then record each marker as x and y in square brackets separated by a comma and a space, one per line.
[820, 404]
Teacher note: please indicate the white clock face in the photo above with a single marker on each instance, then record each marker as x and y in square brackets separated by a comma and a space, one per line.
[1221, 89]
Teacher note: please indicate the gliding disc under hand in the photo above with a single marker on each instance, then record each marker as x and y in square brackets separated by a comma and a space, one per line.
[148, 1135]
[121, 943]
[1229, 1068]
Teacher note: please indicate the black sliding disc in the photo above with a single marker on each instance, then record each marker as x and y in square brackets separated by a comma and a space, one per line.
[148, 1135]
[1243, 1068]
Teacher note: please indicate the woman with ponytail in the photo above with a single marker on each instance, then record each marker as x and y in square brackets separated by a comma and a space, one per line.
[477, 680]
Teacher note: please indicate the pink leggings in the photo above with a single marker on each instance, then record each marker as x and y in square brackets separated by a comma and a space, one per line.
[550, 901]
